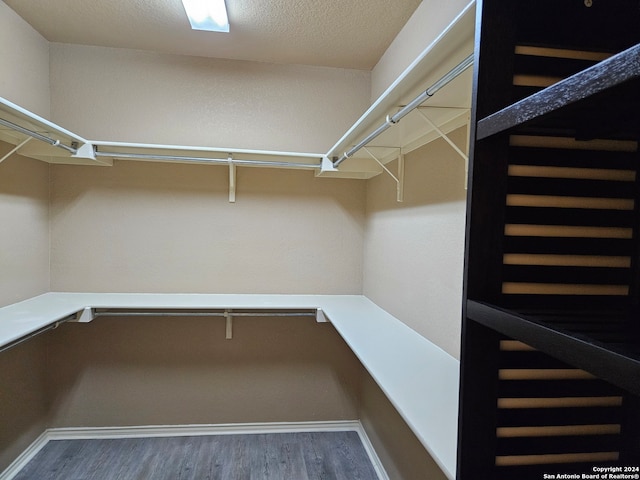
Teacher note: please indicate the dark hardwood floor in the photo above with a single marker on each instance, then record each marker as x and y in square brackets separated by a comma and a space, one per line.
[274, 456]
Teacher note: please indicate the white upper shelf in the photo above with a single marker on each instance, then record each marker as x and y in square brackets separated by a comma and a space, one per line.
[448, 109]
[38, 149]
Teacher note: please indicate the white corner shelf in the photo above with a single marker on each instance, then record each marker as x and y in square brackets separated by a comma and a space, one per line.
[419, 378]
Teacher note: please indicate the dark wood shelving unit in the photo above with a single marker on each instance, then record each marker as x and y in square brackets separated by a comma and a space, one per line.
[619, 71]
[550, 364]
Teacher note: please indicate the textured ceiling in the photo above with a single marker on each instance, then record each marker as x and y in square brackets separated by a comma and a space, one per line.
[336, 33]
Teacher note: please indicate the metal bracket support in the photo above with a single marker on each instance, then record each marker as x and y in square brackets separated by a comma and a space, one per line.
[327, 165]
[229, 327]
[14, 150]
[232, 180]
[85, 316]
[398, 179]
[320, 316]
[85, 151]
[446, 138]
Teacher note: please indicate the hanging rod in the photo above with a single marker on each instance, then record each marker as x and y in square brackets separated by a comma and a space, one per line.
[416, 102]
[165, 313]
[35, 333]
[221, 161]
[38, 136]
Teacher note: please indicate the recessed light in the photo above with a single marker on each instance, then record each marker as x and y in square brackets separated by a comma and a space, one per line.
[210, 15]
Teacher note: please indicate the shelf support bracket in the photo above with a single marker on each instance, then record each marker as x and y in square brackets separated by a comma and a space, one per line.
[398, 179]
[450, 142]
[85, 316]
[229, 327]
[232, 180]
[14, 150]
[320, 316]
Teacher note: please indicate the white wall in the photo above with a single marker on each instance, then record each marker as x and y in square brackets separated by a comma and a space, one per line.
[135, 96]
[413, 252]
[427, 22]
[24, 76]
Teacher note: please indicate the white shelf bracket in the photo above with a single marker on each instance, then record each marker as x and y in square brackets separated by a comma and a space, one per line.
[399, 179]
[232, 180]
[453, 145]
[327, 165]
[320, 316]
[85, 151]
[229, 327]
[14, 150]
[85, 316]
[444, 135]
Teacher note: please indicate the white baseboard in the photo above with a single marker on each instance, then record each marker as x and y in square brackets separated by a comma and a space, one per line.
[146, 431]
[24, 458]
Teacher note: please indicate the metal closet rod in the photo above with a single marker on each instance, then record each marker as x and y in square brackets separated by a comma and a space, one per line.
[202, 314]
[221, 161]
[35, 333]
[416, 102]
[38, 136]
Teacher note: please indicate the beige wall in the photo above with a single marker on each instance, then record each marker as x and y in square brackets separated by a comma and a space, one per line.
[24, 76]
[167, 228]
[24, 267]
[427, 22]
[145, 227]
[413, 251]
[164, 371]
[134, 96]
[399, 450]
[23, 398]
[24, 235]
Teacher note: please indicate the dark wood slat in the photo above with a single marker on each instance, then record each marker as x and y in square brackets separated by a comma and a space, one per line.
[478, 391]
[604, 26]
[569, 246]
[567, 275]
[549, 66]
[571, 302]
[568, 187]
[564, 444]
[570, 217]
[572, 158]
[536, 472]
[630, 451]
[555, 388]
[529, 359]
[603, 76]
[541, 417]
[613, 366]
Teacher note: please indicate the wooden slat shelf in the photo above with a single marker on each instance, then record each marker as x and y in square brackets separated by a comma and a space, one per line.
[602, 77]
[618, 364]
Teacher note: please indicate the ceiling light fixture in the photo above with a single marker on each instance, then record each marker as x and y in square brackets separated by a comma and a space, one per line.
[210, 15]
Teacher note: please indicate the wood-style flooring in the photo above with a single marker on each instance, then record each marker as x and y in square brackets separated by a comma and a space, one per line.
[273, 456]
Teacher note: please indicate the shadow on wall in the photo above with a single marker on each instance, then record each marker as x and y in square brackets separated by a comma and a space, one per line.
[165, 371]
[434, 174]
[169, 227]
[23, 403]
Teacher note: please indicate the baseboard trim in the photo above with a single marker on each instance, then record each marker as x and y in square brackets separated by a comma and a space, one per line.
[19, 463]
[87, 433]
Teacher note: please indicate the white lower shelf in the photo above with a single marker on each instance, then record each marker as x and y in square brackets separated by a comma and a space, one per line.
[419, 378]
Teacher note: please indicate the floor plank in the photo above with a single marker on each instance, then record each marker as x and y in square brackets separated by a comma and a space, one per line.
[273, 456]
